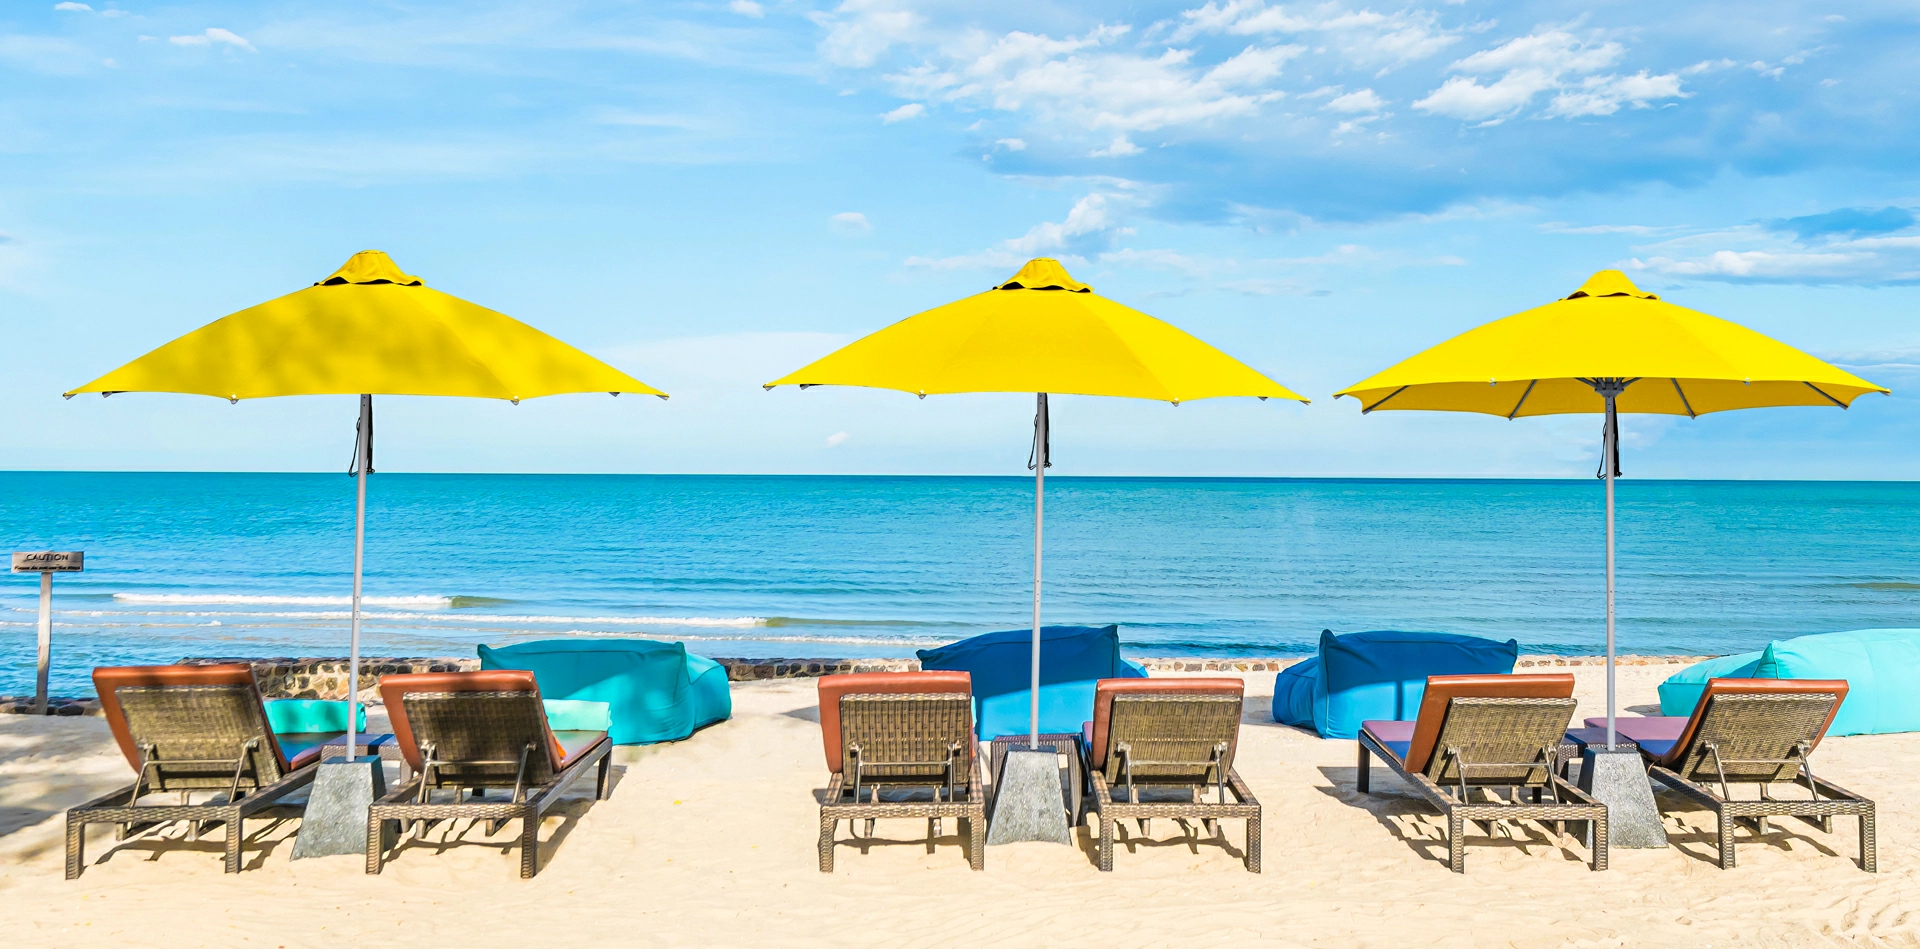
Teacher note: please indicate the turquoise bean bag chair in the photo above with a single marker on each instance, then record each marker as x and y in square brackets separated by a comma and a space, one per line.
[1072, 660]
[654, 691]
[1378, 676]
[1881, 666]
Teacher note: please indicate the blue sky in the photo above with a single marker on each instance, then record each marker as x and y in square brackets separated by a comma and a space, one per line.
[711, 194]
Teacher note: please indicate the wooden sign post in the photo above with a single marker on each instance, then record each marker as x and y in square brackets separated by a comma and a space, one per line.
[46, 563]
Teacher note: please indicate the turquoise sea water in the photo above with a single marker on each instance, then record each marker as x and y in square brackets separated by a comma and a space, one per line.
[259, 564]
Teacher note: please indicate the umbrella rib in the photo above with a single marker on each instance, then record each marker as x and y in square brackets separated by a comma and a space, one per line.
[1368, 409]
[1683, 399]
[1824, 392]
[1523, 399]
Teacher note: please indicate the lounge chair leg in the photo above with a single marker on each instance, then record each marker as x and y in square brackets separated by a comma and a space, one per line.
[375, 855]
[234, 835]
[1869, 860]
[1253, 843]
[1456, 842]
[606, 768]
[1363, 779]
[1600, 842]
[976, 843]
[77, 841]
[529, 846]
[827, 827]
[1725, 833]
[870, 823]
[1106, 843]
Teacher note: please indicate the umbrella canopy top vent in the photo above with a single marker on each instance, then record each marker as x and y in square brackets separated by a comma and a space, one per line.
[369, 328]
[1546, 361]
[1027, 335]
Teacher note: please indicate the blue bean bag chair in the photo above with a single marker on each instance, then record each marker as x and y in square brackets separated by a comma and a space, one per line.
[654, 691]
[1378, 676]
[1881, 666]
[1072, 659]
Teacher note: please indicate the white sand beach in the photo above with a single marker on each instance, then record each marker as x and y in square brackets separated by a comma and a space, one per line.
[710, 842]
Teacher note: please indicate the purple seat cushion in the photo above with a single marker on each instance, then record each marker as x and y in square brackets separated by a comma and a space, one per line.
[1393, 736]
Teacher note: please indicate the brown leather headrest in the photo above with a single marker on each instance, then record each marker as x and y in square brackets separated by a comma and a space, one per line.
[394, 687]
[878, 683]
[1715, 687]
[1442, 690]
[1106, 689]
[106, 679]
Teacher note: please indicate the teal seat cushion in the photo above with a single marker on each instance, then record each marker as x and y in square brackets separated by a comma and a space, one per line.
[305, 716]
[1681, 692]
[1379, 675]
[654, 691]
[577, 715]
[1881, 668]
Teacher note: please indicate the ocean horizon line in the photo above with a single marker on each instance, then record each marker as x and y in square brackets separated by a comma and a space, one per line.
[1623, 482]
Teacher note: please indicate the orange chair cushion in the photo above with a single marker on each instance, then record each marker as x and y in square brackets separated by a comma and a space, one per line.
[1104, 691]
[1442, 690]
[106, 679]
[833, 687]
[393, 689]
[1678, 752]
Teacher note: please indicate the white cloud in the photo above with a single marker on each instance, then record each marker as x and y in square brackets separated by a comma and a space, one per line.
[859, 32]
[1363, 101]
[747, 8]
[213, 35]
[837, 439]
[1093, 220]
[1755, 254]
[850, 222]
[1086, 81]
[70, 5]
[1012, 144]
[911, 110]
[1363, 37]
[1541, 62]
[1118, 148]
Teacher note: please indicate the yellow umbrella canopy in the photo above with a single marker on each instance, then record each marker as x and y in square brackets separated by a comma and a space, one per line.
[367, 329]
[1608, 347]
[1041, 332]
[1544, 362]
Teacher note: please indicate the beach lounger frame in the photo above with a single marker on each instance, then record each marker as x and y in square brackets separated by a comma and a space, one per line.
[1164, 734]
[1487, 732]
[1761, 732]
[193, 728]
[473, 732]
[883, 732]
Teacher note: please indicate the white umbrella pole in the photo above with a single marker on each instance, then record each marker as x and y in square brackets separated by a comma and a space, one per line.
[1039, 498]
[1609, 454]
[363, 446]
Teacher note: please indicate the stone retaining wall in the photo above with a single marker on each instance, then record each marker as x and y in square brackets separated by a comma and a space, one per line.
[326, 678]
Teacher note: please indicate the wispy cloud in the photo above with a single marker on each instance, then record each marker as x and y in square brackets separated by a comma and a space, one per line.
[911, 110]
[1090, 226]
[851, 223]
[212, 36]
[1848, 246]
[1536, 63]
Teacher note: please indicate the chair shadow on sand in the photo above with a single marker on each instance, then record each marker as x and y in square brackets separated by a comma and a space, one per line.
[463, 832]
[1413, 822]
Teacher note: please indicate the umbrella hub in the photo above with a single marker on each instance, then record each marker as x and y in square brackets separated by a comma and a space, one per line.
[1610, 283]
[1044, 273]
[370, 266]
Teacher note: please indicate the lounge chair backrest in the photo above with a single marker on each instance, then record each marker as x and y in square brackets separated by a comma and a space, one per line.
[477, 725]
[835, 687]
[1171, 727]
[1436, 709]
[913, 736]
[1757, 728]
[191, 726]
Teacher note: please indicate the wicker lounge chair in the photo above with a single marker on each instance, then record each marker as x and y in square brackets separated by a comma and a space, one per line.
[480, 731]
[901, 730]
[1757, 732]
[187, 729]
[1485, 732]
[1167, 734]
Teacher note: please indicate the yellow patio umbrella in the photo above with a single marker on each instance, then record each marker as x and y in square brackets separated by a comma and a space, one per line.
[1608, 347]
[1041, 332]
[368, 329]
